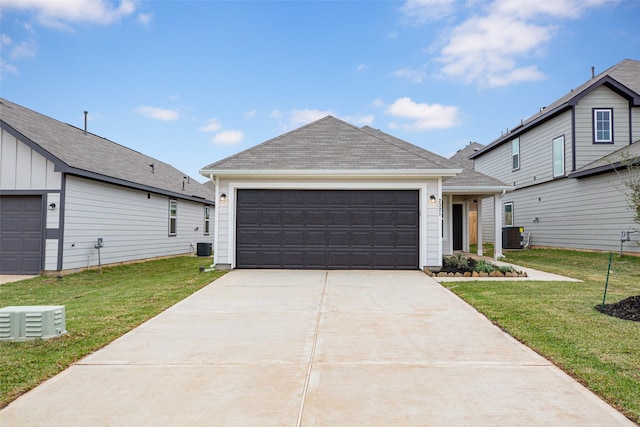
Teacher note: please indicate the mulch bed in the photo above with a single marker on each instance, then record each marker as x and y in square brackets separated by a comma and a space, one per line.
[627, 309]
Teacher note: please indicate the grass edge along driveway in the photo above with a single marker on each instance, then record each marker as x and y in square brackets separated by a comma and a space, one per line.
[100, 307]
[559, 321]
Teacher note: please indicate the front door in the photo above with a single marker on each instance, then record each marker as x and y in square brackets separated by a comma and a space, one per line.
[457, 227]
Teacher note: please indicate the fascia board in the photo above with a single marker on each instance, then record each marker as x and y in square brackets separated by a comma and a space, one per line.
[334, 173]
[477, 190]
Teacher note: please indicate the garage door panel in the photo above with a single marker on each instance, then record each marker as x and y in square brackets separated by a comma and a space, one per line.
[327, 229]
[21, 234]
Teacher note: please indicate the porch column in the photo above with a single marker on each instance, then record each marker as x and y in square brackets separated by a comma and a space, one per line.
[497, 210]
[479, 226]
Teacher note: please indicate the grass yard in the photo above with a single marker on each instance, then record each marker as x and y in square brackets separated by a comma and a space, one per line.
[99, 309]
[559, 321]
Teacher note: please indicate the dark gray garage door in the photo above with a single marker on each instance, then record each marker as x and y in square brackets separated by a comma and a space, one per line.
[20, 234]
[334, 229]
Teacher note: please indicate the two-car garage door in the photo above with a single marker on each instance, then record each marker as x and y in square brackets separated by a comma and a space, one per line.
[334, 229]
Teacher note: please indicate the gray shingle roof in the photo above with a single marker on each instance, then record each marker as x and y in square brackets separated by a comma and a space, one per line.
[468, 178]
[629, 154]
[92, 156]
[332, 144]
[462, 156]
[623, 77]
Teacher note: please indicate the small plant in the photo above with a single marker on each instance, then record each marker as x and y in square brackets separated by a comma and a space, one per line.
[483, 266]
[458, 261]
[505, 269]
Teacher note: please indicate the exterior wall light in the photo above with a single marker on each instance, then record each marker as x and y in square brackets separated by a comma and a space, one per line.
[223, 197]
[52, 206]
[432, 199]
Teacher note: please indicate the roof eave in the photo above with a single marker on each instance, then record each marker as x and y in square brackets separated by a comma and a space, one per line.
[331, 173]
[477, 190]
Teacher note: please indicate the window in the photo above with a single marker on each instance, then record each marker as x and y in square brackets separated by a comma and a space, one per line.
[207, 218]
[508, 214]
[515, 154]
[602, 126]
[173, 217]
[558, 156]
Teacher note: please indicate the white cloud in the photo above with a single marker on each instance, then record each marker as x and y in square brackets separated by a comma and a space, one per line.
[158, 113]
[25, 49]
[362, 67]
[378, 102]
[422, 11]
[211, 125]
[422, 116]
[228, 137]
[55, 13]
[410, 74]
[145, 19]
[7, 68]
[360, 119]
[302, 117]
[392, 35]
[251, 113]
[487, 49]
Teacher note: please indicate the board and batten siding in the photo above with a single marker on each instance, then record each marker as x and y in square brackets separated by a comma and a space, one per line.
[430, 221]
[134, 224]
[22, 168]
[601, 97]
[25, 171]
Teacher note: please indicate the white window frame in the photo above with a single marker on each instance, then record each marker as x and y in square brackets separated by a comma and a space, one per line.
[596, 137]
[173, 217]
[506, 217]
[207, 220]
[515, 154]
[558, 156]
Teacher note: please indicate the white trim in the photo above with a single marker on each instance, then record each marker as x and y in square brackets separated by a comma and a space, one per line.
[476, 190]
[420, 186]
[334, 173]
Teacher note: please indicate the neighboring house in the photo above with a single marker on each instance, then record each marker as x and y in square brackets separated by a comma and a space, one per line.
[62, 189]
[332, 195]
[559, 161]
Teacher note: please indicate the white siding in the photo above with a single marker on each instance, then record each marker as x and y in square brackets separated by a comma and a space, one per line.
[430, 240]
[51, 255]
[132, 225]
[602, 97]
[635, 122]
[22, 168]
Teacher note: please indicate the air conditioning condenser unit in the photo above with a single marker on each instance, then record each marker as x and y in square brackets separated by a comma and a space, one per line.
[23, 323]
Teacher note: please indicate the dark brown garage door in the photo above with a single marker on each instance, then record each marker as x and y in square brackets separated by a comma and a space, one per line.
[333, 229]
[20, 234]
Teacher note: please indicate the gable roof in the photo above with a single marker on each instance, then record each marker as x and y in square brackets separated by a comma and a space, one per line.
[623, 78]
[467, 181]
[462, 156]
[84, 154]
[612, 161]
[330, 144]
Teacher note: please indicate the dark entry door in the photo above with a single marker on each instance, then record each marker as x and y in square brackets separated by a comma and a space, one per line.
[458, 229]
[333, 229]
[20, 234]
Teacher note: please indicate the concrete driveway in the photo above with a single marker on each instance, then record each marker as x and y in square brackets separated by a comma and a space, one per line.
[314, 348]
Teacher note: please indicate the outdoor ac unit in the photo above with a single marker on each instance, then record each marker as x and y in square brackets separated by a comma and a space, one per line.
[22, 323]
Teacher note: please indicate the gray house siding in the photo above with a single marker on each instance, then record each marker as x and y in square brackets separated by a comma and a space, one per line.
[587, 213]
[134, 224]
[602, 97]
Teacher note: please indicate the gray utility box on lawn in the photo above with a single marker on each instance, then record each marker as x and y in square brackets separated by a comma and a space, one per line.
[23, 323]
[512, 237]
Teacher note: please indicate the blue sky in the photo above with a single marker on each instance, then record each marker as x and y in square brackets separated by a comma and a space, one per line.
[192, 82]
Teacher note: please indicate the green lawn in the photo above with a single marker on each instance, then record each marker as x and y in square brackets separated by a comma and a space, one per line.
[99, 309]
[559, 321]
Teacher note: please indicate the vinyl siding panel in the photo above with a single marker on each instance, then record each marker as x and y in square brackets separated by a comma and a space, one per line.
[635, 123]
[22, 168]
[536, 155]
[602, 97]
[132, 225]
[588, 213]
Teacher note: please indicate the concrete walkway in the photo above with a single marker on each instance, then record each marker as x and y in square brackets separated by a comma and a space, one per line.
[314, 348]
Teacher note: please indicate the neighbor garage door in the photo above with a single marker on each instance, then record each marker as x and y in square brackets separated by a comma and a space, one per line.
[335, 229]
[20, 234]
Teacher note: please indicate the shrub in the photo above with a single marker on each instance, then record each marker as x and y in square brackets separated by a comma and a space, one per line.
[483, 266]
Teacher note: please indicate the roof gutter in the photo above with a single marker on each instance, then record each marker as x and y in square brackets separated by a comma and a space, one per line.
[332, 173]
